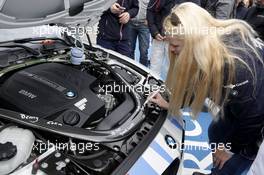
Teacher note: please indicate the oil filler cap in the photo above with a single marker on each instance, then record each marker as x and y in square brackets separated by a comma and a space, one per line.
[7, 151]
[71, 118]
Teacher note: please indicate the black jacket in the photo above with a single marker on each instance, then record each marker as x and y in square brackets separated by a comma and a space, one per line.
[156, 13]
[255, 17]
[220, 9]
[245, 104]
[198, 2]
[241, 11]
[109, 27]
[158, 10]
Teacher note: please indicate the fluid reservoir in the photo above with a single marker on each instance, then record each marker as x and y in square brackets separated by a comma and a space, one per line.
[77, 56]
[23, 140]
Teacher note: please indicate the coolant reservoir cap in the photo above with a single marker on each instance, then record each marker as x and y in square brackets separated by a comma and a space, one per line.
[77, 52]
[7, 151]
[77, 56]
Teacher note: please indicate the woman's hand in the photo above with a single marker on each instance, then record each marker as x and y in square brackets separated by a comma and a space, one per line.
[220, 157]
[159, 100]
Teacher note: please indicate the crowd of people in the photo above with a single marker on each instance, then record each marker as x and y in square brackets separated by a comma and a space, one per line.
[227, 67]
[129, 21]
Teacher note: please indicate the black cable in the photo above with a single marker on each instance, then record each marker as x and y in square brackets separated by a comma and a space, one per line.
[30, 50]
[89, 39]
[92, 156]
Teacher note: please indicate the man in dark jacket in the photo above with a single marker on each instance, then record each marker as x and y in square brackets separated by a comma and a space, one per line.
[255, 17]
[156, 13]
[241, 9]
[113, 27]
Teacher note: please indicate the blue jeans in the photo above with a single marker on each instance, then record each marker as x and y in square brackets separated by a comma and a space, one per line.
[122, 47]
[159, 60]
[220, 132]
[140, 30]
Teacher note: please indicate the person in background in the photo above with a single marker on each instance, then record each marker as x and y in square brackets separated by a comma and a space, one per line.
[139, 30]
[249, 3]
[241, 9]
[226, 66]
[198, 2]
[156, 13]
[113, 28]
[255, 17]
[220, 9]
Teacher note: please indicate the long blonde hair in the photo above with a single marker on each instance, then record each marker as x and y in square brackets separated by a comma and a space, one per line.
[198, 71]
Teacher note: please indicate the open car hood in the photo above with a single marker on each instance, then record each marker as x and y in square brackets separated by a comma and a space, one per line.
[25, 13]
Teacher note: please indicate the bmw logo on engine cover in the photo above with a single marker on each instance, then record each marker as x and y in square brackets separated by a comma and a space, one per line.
[70, 94]
[171, 142]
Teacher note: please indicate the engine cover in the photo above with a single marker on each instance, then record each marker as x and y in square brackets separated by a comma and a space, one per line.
[51, 88]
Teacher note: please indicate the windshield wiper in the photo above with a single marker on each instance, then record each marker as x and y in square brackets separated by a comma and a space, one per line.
[30, 50]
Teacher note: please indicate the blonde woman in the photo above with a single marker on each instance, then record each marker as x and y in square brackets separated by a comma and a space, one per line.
[220, 60]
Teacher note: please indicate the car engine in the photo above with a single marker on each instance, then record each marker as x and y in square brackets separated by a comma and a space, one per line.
[48, 89]
[78, 119]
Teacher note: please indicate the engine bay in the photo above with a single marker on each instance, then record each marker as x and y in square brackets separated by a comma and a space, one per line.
[56, 89]
[79, 119]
